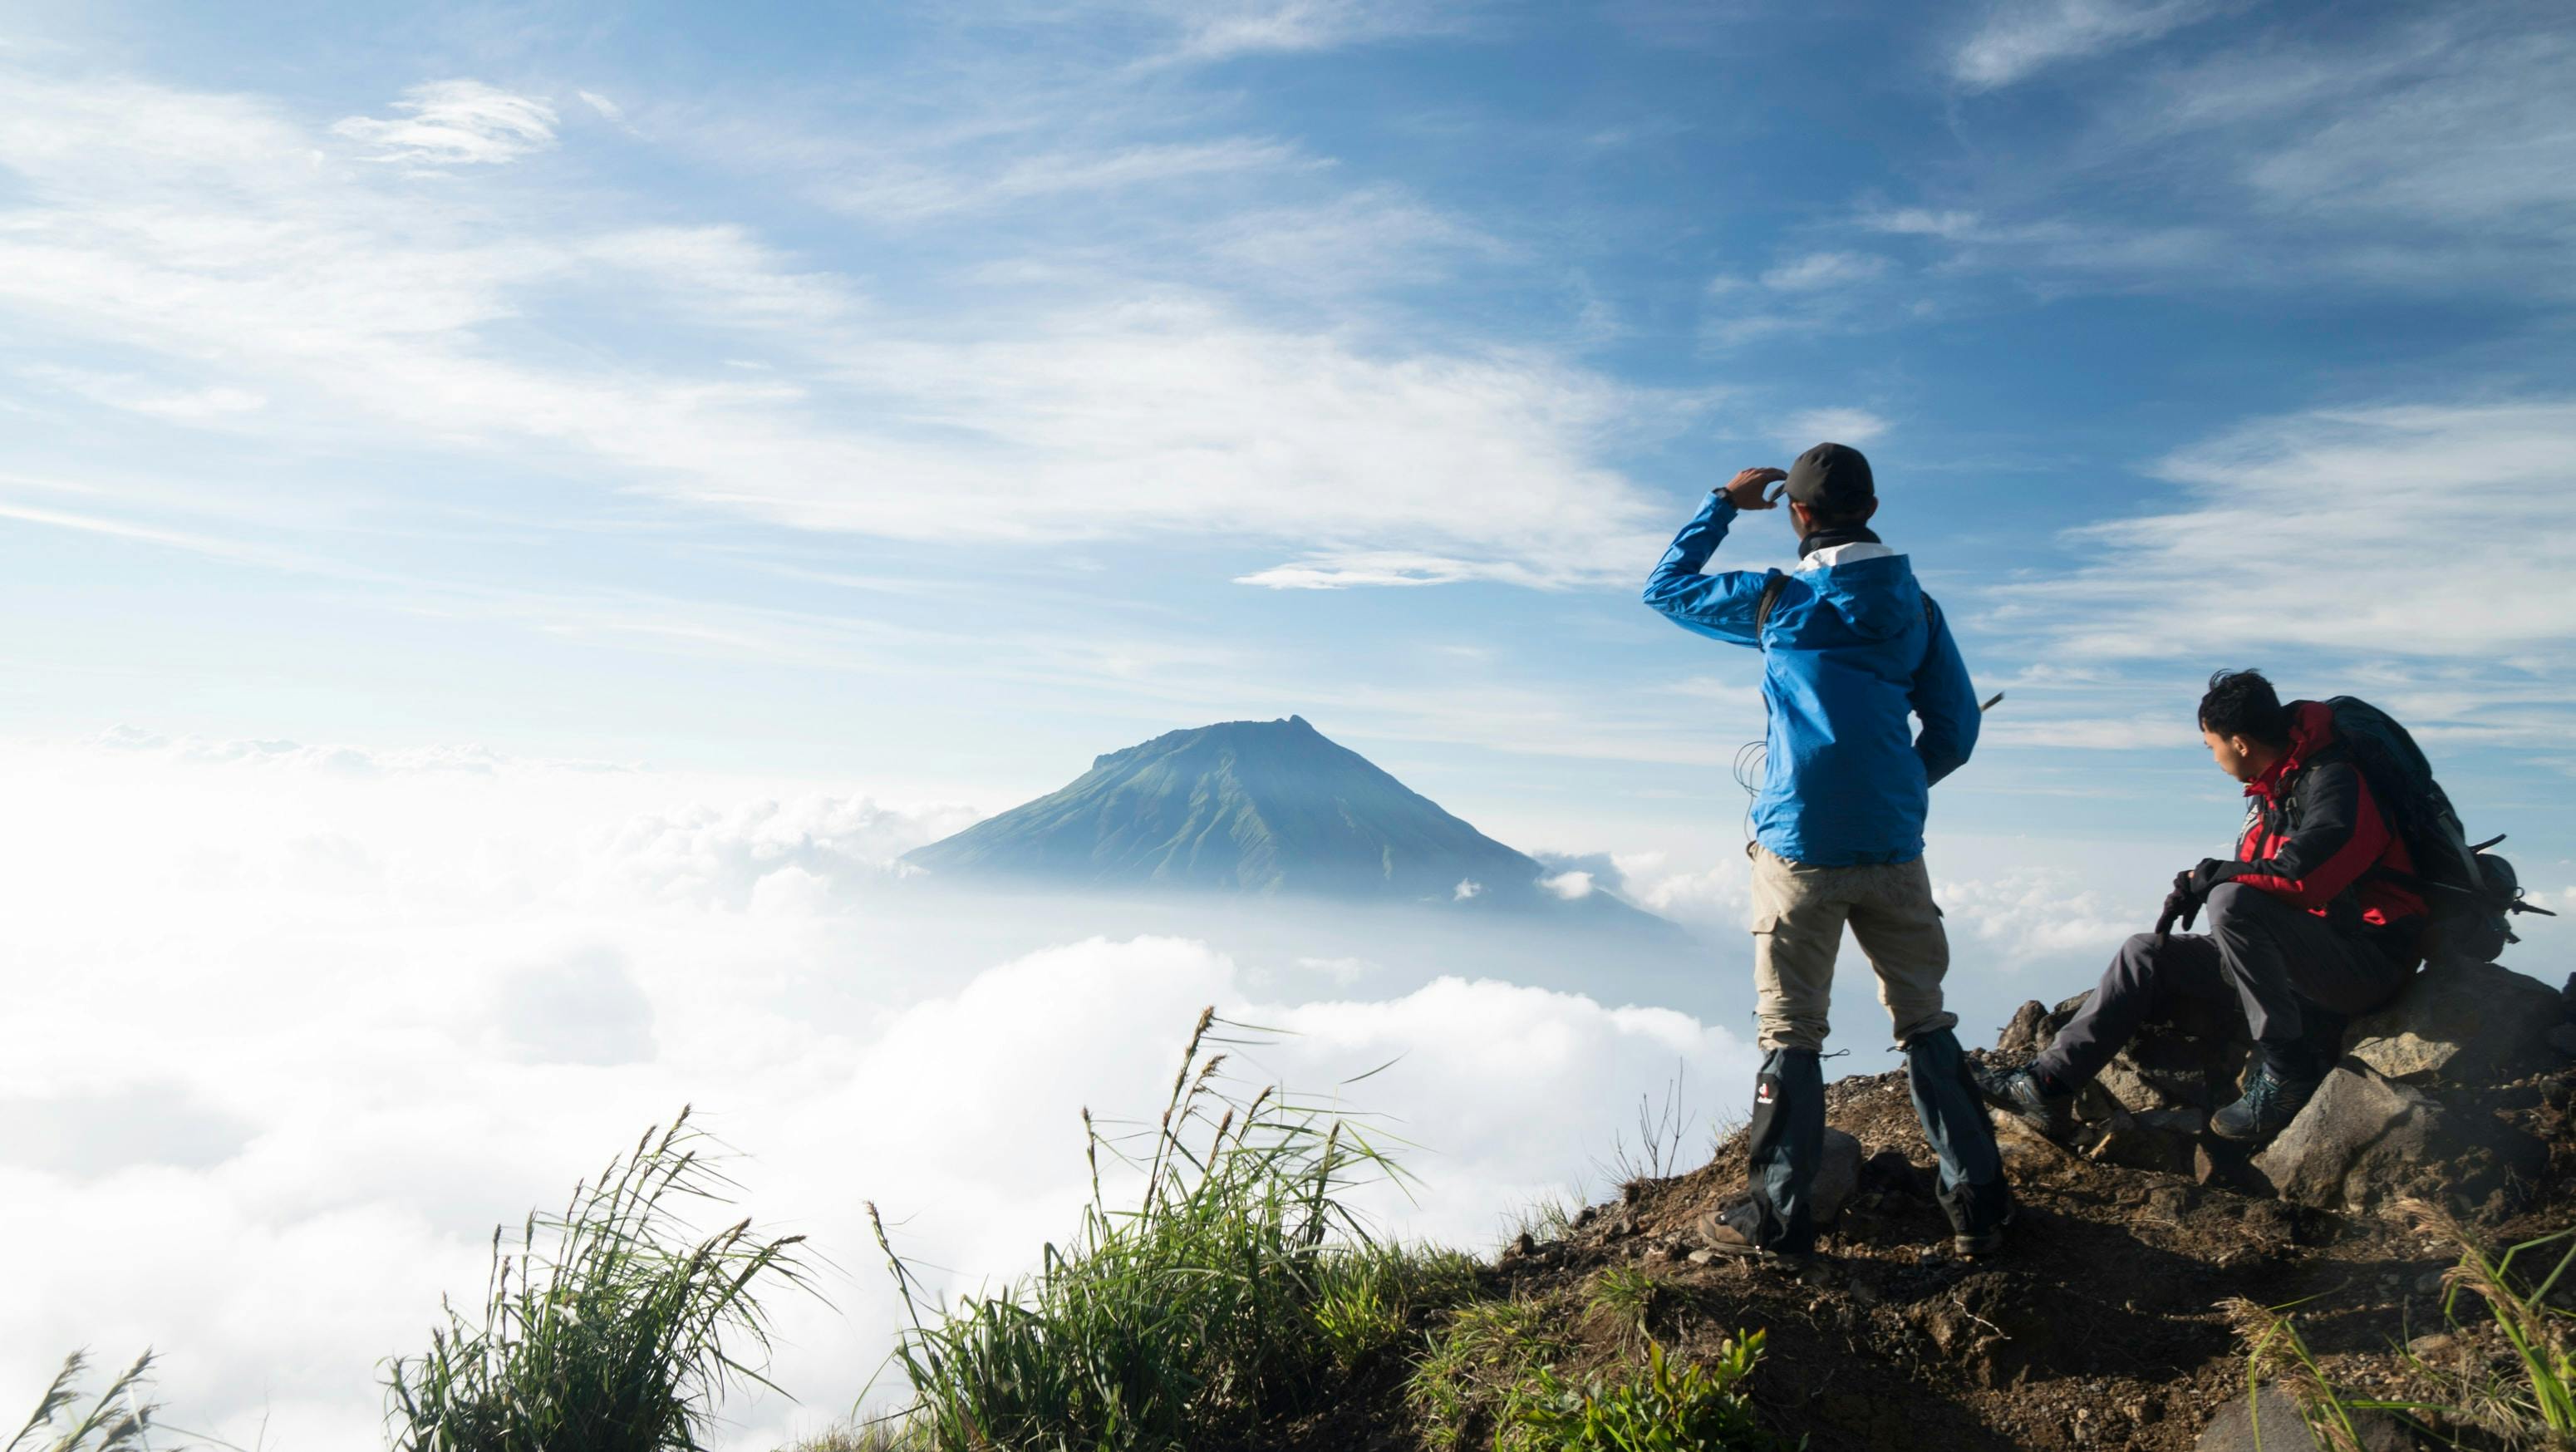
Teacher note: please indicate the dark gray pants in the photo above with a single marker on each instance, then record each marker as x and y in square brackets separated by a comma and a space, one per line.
[2264, 957]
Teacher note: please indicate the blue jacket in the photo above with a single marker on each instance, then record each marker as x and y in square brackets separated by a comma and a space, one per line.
[1852, 645]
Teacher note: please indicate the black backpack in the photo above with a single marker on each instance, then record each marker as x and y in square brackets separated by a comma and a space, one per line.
[2470, 894]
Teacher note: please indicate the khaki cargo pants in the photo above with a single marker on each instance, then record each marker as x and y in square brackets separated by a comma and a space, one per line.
[1798, 917]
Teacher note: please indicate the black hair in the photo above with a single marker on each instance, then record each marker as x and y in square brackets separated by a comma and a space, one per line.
[2243, 703]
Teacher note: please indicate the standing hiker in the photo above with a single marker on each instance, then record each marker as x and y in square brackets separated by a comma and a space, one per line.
[2315, 918]
[1850, 646]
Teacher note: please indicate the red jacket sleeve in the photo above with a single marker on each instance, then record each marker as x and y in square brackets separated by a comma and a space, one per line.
[2340, 834]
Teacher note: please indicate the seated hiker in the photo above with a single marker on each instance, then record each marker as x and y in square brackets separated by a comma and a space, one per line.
[2308, 924]
[1851, 646]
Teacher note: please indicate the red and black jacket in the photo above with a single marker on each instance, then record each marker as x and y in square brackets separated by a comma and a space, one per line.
[2315, 835]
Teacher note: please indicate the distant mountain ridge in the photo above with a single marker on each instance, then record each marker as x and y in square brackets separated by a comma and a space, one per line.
[1249, 807]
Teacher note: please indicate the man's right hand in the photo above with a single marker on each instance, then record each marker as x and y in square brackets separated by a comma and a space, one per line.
[1746, 490]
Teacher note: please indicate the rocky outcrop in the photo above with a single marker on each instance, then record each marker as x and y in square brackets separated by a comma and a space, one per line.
[2400, 1114]
[2481, 1024]
[2364, 1140]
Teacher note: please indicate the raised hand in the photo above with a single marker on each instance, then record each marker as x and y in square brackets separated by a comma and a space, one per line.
[1747, 489]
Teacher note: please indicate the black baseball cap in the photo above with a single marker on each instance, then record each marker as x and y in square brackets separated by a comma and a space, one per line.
[1833, 480]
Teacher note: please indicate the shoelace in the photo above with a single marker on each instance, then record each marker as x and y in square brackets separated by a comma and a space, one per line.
[2262, 1091]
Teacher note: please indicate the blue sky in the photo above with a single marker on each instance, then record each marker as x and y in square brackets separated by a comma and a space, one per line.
[512, 516]
[944, 395]
[947, 394]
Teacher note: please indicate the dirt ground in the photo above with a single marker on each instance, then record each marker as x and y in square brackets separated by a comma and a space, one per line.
[2100, 1327]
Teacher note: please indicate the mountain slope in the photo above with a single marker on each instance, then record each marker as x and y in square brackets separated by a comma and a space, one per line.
[1251, 807]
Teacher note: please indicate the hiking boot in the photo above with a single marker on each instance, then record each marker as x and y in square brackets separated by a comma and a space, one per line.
[1978, 1215]
[1734, 1231]
[2271, 1100]
[2021, 1095]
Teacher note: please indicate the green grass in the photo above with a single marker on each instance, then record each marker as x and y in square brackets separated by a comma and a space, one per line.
[2535, 1406]
[1484, 1354]
[611, 1328]
[1656, 1407]
[1238, 1286]
[1624, 1296]
[2539, 1403]
[117, 1420]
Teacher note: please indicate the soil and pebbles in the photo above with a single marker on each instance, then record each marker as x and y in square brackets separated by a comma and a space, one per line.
[2100, 1327]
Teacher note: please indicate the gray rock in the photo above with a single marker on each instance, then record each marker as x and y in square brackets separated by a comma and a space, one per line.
[2454, 1024]
[1837, 1177]
[2364, 1139]
[2167, 1068]
[2021, 1036]
[2283, 1430]
[2355, 1114]
[2563, 1039]
[2270, 1408]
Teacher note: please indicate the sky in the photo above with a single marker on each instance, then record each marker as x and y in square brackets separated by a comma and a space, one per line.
[512, 516]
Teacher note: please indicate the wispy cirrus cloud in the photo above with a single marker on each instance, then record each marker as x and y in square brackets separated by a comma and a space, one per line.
[455, 122]
[1217, 31]
[1854, 426]
[912, 193]
[1836, 290]
[2019, 38]
[1052, 415]
[2410, 150]
[2300, 541]
[1819, 270]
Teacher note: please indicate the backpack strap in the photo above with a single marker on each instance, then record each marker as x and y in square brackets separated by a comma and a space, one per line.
[1771, 589]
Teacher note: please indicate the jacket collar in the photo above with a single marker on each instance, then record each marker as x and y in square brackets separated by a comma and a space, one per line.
[1825, 539]
[2311, 731]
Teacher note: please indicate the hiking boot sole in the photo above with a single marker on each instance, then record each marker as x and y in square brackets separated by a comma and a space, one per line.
[2056, 1134]
[1712, 1234]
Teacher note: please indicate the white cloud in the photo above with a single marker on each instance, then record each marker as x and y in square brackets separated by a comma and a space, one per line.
[456, 122]
[1467, 887]
[1715, 899]
[335, 997]
[2308, 531]
[1835, 291]
[1225, 28]
[2037, 915]
[1357, 242]
[608, 110]
[358, 308]
[1817, 271]
[1571, 886]
[125, 391]
[2410, 150]
[916, 193]
[2022, 37]
[1854, 426]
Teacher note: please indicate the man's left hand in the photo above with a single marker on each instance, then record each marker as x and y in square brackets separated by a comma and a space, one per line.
[2180, 907]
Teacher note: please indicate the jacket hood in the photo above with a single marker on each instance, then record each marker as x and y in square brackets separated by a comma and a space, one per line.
[1877, 598]
[2311, 731]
